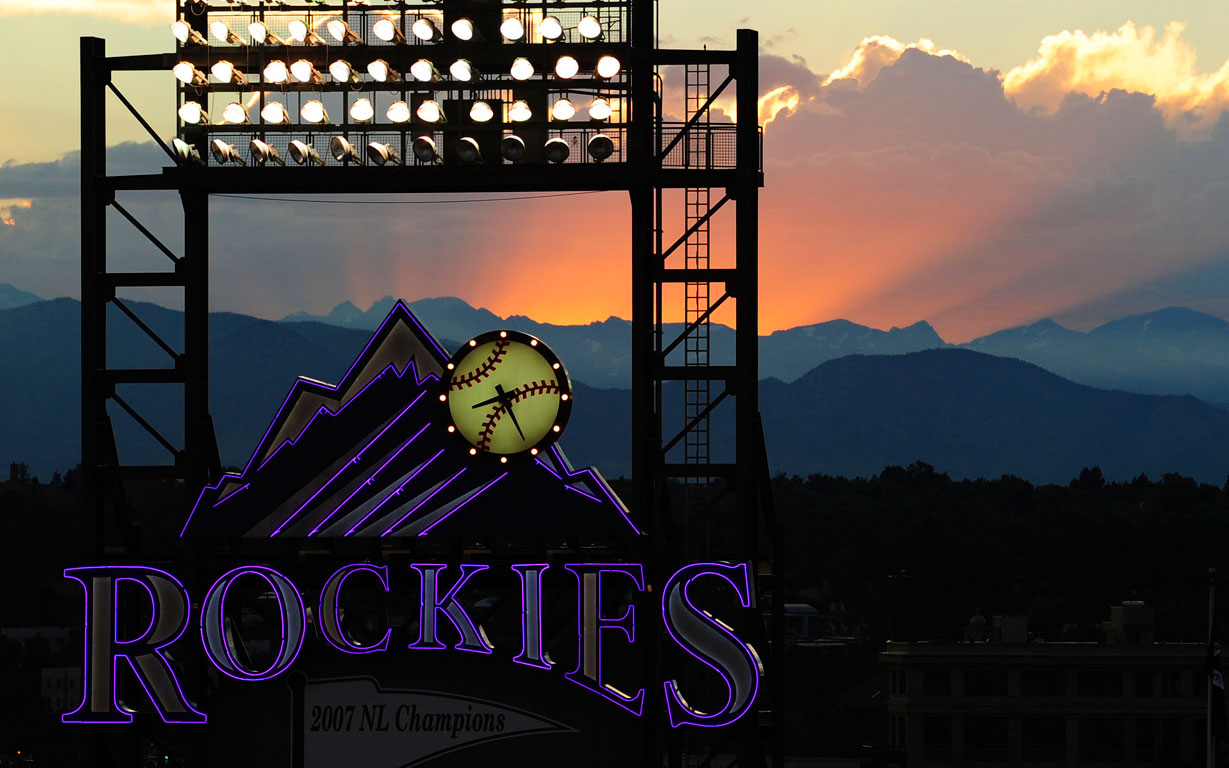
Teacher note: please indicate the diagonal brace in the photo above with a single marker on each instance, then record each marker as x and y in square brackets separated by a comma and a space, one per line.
[157, 139]
[694, 324]
[695, 227]
[692, 424]
[149, 331]
[695, 118]
[148, 427]
[141, 228]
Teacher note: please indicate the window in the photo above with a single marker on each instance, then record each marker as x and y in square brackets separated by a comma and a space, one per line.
[1043, 682]
[1043, 739]
[1100, 682]
[1171, 683]
[985, 682]
[896, 682]
[1143, 683]
[937, 738]
[1145, 740]
[985, 739]
[896, 732]
[937, 682]
[1101, 740]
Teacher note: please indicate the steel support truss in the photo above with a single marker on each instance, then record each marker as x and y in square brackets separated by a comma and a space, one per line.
[656, 163]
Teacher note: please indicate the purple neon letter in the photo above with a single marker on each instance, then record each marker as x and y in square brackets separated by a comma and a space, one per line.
[221, 637]
[712, 643]
[532, 654]
[473, 638]
[146, 653]
[591, 623]
[330, 610]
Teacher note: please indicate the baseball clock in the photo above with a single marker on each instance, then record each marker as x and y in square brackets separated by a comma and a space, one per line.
[507, 393]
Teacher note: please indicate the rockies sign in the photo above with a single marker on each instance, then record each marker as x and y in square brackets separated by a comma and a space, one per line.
[410, 570]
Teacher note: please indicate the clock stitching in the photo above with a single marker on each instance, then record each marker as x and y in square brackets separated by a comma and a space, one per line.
[487, 433]
[467, 380]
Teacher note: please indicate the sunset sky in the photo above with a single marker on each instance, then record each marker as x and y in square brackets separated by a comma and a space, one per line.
[976, 165]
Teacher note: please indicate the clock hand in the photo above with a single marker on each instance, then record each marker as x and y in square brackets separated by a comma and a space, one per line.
[497, 399]
[506, 399]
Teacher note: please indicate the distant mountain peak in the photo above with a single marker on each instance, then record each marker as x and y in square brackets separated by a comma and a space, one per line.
[12, 297]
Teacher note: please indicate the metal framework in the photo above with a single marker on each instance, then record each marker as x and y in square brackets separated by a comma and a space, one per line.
[652, 157]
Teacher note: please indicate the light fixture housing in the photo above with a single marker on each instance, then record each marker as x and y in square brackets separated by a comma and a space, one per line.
[566, 68]
[263, 152]
[342, 72]
[235, 114]
[340, 31]
[301, 33]
[224, 153]
[463, 70]
[512, 29]
[512, 148]
[186, 73]
[424, 29]
[424, 150]
[313, 111]
[519, 111]
[398, 112]
[464, 29]
[607, 67]
[226, 72]
[601, 147]
[551, 28]
[381, 72]
[589, 27]
[382, 154]
[192, 113]
[424, 71]
[387, 30]
[481, 112]
[430, 111]
[563, 109]
[343, 151]
[361, 111]
[185, 152]
[261, 35]
[304, 154]
[521, 68]
[557, 150]
[275, 71]
[186, 35]
[600, 109]
[305, 72]
[274, 113]
[224, 33]
[468, 151]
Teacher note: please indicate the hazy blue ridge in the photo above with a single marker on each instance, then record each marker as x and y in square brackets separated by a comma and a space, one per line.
[12, 297]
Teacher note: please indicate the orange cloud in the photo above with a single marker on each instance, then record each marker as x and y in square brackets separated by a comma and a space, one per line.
[1131, 59]
[875, 53]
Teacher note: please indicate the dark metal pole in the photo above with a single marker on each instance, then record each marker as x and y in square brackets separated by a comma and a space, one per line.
[198, 431]
[94, 78]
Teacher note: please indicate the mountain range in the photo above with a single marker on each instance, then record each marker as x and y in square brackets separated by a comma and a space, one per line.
[965, 412]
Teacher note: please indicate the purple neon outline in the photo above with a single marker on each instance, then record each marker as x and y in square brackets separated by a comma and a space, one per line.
[230, 577]
[397, 492]
[571, 473]
[302, 383]
[468, 499]
[345, 572]
[467, 570]
[673, 697]
[233, 493]
[352, 462]
[420, 504]
[629, 631]
[521, 569]
[368, 482]
[547, 467]
[589, 496]
[69, 573]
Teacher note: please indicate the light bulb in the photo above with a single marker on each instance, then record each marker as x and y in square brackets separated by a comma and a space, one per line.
[235, 113]
[313, 111]
[275, 72]
[521, 69]
[361, 111]
[589, 28]
[275, 112]
[608, 67]
[429, 111]
[512, 28]
[551, 28]
[563, 109]
[481, 112]
[519, 112]
[566, 68]
[599, 109]
[398, 112]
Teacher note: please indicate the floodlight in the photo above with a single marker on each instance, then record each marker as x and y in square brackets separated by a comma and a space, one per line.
[388, 31]
[481, 112]
[262, 153]
[563, 109]
[521, 68]
[462, 70]
[262, 36]
[468, 151]
[224, 153]
[589, 27]
[342, 72]
[607, 67]
[224, 33]
[343, 151]
[313, 111]
[381, 72]
[340, 31]
[519, 112]
[361, 111]
[305, 72]
[185, 152]
[235, 114]
[424, 29]
[424, 150]
[398, 112]
[382, 154]
[275, 72]
[464, 29]
[424, 71]
[301, 33]
[430, 111]
[601, 147]
[188, 74]
[599, 109]
[225, 72]
[557, 150]
[512, 29]
[304, 154]
[566, 68]
[551, 28]
[186, 35]
[512, 148]
[275, 113]
[192, 113]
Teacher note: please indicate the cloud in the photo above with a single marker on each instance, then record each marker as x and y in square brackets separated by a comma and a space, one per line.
[124, 10]
[875, 53]
[1131, 59]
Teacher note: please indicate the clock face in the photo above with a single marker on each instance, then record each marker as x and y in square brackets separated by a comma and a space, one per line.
[507, 394]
